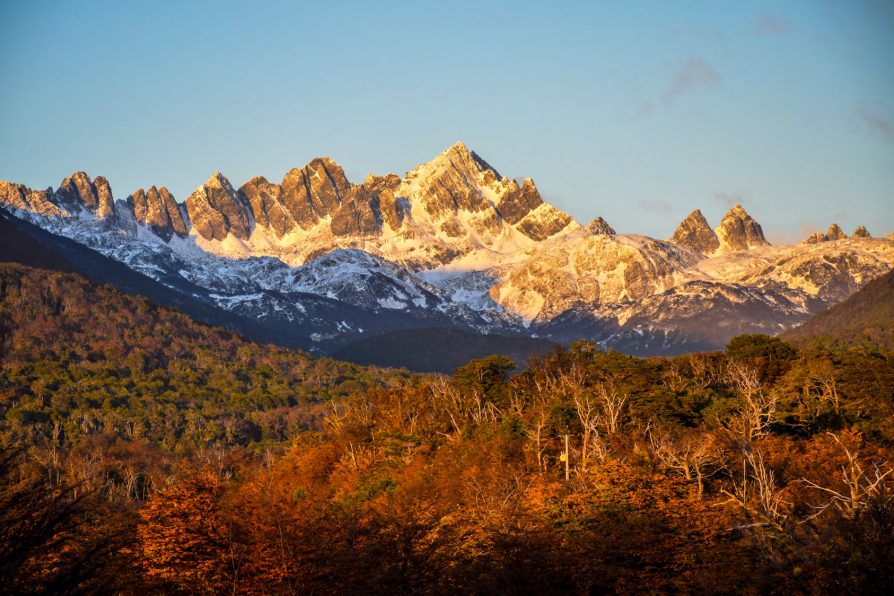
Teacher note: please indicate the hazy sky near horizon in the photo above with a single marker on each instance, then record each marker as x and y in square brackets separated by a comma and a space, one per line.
[636, 111]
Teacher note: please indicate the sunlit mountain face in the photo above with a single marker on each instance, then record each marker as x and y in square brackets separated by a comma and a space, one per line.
[453, 244]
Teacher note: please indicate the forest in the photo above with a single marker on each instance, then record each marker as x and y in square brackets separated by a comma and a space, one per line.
[145, 452]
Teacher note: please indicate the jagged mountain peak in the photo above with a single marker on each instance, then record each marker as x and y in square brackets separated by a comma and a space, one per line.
[459, 156]
[861, 232]
[835, 232]
[39, 202]
[739, 231]
[77, 178]
[217, 210]
[79, 191]
[815, 238]
[458, 150]
[600, 226]
[217, 179]
[737, 210]
[156, 208]
[459, 181]
[695, 234]
[256, 180]
[323, 160]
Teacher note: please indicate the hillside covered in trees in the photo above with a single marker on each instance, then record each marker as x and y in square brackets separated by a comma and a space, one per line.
[144, 452]
[79, 360]
[865, 319]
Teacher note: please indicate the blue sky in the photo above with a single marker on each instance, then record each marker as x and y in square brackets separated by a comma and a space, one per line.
[635, 111]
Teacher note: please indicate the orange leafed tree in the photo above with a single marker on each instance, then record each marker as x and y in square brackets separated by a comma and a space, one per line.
[185, 539]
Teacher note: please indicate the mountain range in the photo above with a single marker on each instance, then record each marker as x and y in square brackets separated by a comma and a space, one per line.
[318, 262]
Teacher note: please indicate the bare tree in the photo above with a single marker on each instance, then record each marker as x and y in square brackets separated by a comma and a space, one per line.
[757, 408]
[672, 377]
[858, 490]
[612, 403]
[537, 433]
[704, 373]
[757, 494]
[689, 453]
[588, 414]
[822, 382]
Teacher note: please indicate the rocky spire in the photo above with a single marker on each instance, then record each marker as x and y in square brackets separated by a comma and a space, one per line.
[835, 233]
[815, 238]
[452, 182]
[738, 231]
[157, 209]
[695, 234]
[78, 191]
[216, 209]
[266, 203]
[105, 202]
[519, 201]
[393, 209]
[19, 196]
[861, 232]
[600, 226]
[311, 193]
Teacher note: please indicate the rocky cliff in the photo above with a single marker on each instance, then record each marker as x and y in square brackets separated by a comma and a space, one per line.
[695, 234]
[738, 231]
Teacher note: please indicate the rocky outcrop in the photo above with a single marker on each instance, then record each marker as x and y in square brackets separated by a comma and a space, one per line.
[519, 201]
[451, 183]
[738, 231]
[157, 209]
[394, 210]
[311, 193]
[457, 202]
[545, 222]
[266, 203]
[695, 234]
[78, 191]
[105, 202]
[216, 209]
[379, 184]
[19, 196]
[861, 232]
[815, 238]
[600, 226]
[358, 215]
[835, 233]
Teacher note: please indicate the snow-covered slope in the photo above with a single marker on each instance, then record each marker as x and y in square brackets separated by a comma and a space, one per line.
[452, 243]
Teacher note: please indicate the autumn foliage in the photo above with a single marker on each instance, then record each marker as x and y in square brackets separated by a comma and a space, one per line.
[763, 468]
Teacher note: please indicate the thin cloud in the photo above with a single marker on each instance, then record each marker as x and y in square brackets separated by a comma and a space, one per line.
[772, 24]
[695, 73]
[877, 122]
[729, 199]
[658, 206]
